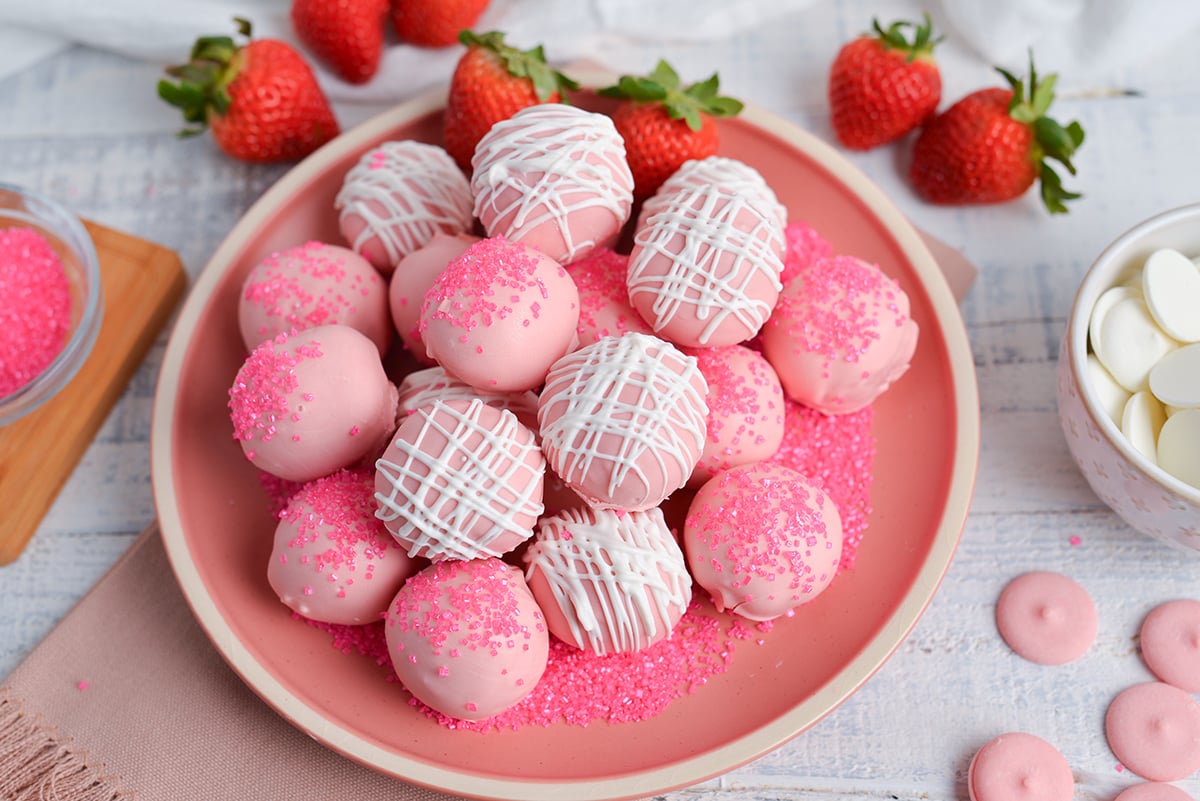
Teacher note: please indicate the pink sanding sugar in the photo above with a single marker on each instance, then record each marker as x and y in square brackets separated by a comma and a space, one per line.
[35, 307]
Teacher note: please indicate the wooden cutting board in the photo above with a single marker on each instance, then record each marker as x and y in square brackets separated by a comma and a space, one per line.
[142, 284]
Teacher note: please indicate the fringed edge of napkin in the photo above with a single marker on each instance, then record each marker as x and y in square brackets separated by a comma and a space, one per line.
[36, 763]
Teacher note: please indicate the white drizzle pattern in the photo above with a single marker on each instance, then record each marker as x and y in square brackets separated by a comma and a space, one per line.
[737, 176]
[404, 192]
[456, 502]
[544, 164]
[619, 578]
[710, 261]
[586, 404]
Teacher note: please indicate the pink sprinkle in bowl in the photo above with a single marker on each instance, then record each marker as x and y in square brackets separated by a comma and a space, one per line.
[63, 230]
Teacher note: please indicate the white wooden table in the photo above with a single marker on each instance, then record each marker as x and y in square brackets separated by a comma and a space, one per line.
[87, 128]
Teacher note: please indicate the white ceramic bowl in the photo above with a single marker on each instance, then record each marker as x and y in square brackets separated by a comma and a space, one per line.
[1147, 497]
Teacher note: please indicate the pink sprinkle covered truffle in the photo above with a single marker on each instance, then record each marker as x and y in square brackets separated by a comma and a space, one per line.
[604, 308]
[623, 420]
[397, 197]
[762, 540]
[466, 638]
[499, 315]
[307, 404]
[840, 335]
[332, 559]
[608, 582]
[309, 285]
[413, 277]
[555, 178]
[805, 246]
[460, 480]
[35, 307]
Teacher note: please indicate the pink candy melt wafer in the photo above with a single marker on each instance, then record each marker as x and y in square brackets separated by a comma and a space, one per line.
[1170, 638]
[1019, 767]
[1046, 618]
[1154, 729]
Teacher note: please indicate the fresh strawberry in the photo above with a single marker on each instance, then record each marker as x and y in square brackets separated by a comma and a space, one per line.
[347, 35]
[492, 82]
[992, 145]
[434, 23]
[882, 86]
[665, 124]
[260, 99]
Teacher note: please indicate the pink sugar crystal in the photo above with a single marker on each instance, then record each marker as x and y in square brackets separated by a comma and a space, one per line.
[35, 307]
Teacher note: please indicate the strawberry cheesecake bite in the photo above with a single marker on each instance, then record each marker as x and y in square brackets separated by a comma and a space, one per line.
[423, 387]
[737, 176]
[704, 270]
[840, 335]
[307, 404]
[608, 582]
[460, 480]
[466, 638]
[762, 540]
[309, 285]
[604, 308]
[412, 278]
[397, 197]
[623, 420]
[555, 178]
[499, 315]
[332, 559]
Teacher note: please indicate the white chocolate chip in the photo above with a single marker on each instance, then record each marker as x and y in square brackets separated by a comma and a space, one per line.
[1109, 298]
[1141, 422]
[1131, 343]
[1175, 379]
[1171, 285]
[1179, 446]
[1112, 396]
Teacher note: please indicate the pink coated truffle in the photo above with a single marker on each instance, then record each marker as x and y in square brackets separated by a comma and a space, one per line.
[413, 277]
[604, 308]
[736, 176]
[608, 582]
[746, 409]
[466, 638]
[623, 420]
[762, 540]
[460, 480]
[499, 315]
[397, 197]
[307, 404]
[704, 271]
[805, 247]
[309, 285]
[332, 559]
[840, 335]
[553, 177]
[423, 387]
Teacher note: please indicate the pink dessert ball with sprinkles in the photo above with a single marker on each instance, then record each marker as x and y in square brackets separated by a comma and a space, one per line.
[604, 308]
[413, 277]
[307, 404]
[460, 480]
[840, 335]
[35, 307]
[309, 285]
[499, 315]
[762, 540]
[555, 178]
[397, 197]
[332, 560]
[608, 582]
[466, 638]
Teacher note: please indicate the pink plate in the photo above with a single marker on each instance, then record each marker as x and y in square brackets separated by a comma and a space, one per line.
[217, 527]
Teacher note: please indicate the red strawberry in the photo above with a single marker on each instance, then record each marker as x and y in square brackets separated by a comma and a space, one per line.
[993, 144]
[883, 86]
[261, 99]
[347, 35]
[665, 124]
[492, 82]
[434, 23]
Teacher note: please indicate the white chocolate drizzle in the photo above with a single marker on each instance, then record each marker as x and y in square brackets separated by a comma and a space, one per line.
[544, 164]
[734, 175]
[619, 578]
[405, 192]
[713, 243]
[423, 387]
[454, 502]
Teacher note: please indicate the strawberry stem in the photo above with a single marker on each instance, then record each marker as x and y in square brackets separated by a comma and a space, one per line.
[894, 38]
[529, 64]
[664, 86]
[202, 83]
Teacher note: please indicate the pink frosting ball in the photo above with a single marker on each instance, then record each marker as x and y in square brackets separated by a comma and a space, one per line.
[499, 315]
[840, 335]
[737, 176]
[745, 409]
[397, 197]
[332, 559]
[313, 402]
[423, 387]
[309, 285]
[762, 540]
[466, 638]
[555, 178]
[623, 420]
[413, 277]
[805, 245]
[604, 308]
[704, 271]
[608, 582]
[460, 480]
